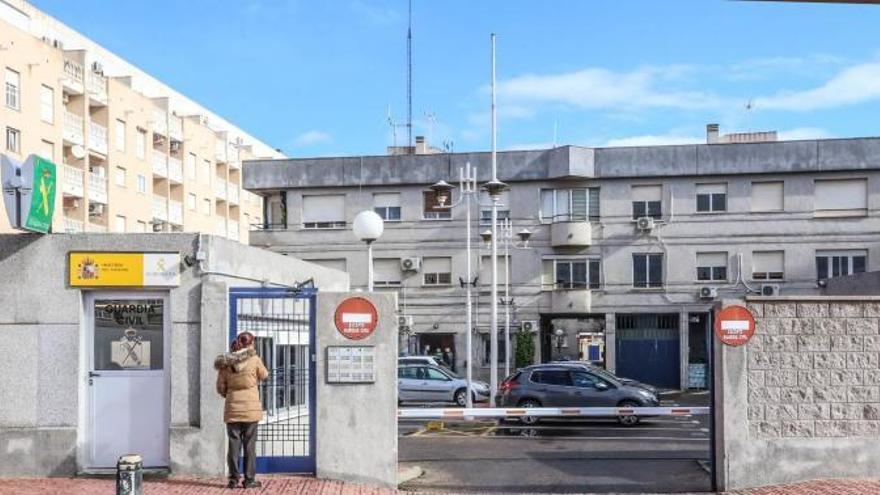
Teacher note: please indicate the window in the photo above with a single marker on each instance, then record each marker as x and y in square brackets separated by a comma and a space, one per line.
[47, 150]
[486, 271]
[647, 201]
[767, 196]
[47, 104]
[435, 374]
[387, 206]
[431, 209]
[120, 177]
[840, 263]
[386, 272]
[841, 197]
[142, 226]
[206, 206]
[334, 264]
[206, 172]
[711, 198]
[552, 377]
[141, 144]
[648, 270]
[13, 138]
[565, 205]
[768, 265]
[712, 267]
[120, 223]
[13, 89]
[324, 212]
[486, 207]
[191, 201]
[120, 135]
[562, 274]
[191, 166]
[437, 271]
[141, 183]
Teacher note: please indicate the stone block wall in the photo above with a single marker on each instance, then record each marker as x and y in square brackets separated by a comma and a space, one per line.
[813, 369]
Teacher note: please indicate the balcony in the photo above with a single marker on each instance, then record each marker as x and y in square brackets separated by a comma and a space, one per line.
[97, 138]
[175, 128]
[232, 230]
[175, 170]
[160, 122]
[73, 77]
[160, 164]
[175, 212]
[220, 151]
[571, 234]
[220, 189]
[72, 226]
[571, 301]
[74, 180]
[97, 86]
[220, 227]
[160, 208]
[233, 193]
[97, 188]
[94, 227]
[73, 128]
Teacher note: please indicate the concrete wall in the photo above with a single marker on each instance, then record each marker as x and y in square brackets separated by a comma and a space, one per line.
[802, 399]
[357, 423]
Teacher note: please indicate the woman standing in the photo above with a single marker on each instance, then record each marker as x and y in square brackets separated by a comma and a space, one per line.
[239, 373]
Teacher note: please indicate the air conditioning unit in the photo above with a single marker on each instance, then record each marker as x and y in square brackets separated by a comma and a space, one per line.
[65, 98]
[645, 224]
[70, 203]
[97, 68]
[410, 264]
[769, 290]
[530, 326]
[96, 209]
[404, 323]
[708, 292]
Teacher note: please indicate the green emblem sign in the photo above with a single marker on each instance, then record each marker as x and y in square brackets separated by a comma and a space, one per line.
[39, 217]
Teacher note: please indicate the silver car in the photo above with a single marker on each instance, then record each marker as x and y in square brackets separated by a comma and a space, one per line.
[428, 383]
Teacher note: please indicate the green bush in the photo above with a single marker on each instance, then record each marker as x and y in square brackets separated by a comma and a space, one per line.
[525, 349]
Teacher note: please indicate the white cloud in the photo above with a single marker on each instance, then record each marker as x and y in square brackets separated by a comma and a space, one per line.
[374, 14]
[313, 137]
[762, 68]
[801, 133]
[856, 84]
[529, 146]
[654, 140]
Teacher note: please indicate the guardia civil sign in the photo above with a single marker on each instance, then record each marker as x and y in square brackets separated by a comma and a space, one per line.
[29, 190]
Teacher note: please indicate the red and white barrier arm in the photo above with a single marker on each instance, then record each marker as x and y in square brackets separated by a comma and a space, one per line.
[548, 412]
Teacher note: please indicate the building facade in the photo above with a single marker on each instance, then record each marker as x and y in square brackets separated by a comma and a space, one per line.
[631, 247]
[132, 154]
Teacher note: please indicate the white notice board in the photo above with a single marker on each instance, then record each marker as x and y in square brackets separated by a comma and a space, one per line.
[351, 364]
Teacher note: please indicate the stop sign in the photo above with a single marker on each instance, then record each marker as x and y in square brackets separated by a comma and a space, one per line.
[356, 318]
[734, 325]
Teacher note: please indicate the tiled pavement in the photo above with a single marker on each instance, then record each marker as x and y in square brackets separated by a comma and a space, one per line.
[301, 486]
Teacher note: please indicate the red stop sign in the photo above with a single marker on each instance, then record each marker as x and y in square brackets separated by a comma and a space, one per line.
[734, 325]
[356, 318]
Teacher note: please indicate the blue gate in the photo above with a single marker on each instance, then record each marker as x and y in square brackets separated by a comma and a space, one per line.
[283, 322]
[648, 348]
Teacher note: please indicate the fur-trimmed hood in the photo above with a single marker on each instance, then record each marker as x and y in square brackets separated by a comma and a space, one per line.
[234, 359]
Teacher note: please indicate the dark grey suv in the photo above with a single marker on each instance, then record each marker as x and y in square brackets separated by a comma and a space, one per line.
[553, 385]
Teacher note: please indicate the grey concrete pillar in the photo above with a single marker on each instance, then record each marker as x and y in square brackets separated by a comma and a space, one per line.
[610, 342]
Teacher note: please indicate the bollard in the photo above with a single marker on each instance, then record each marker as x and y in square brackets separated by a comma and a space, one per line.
[130, 475]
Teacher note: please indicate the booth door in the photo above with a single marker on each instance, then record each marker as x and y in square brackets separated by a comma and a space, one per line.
[127, 386]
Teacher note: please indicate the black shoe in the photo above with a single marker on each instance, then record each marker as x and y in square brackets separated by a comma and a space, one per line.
[251, 484]
[232, 483]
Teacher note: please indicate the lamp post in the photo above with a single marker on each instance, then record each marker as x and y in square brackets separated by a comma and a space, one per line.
[524, 235]
[560, 333]
[368, 226]
[467, 179]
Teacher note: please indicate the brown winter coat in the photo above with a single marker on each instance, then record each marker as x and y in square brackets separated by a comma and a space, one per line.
[238, 374]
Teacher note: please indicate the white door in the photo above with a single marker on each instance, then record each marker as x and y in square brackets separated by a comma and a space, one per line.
[127, 377]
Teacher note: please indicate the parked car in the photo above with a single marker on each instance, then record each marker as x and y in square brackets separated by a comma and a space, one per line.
[429, 360]
[429, 383]
[596, 368]
[567, 385]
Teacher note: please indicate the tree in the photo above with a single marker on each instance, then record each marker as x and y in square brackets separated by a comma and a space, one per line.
[525, 349]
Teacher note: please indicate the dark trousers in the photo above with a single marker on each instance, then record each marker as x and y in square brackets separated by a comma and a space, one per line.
[242, 433]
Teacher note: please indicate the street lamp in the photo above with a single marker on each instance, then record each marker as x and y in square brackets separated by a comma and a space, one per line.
[524, 235]
[467, 179]
[494, 188]
[560, 339]
[368, 226]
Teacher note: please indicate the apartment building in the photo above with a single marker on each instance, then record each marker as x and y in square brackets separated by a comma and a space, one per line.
[133, 155]
[631, 247]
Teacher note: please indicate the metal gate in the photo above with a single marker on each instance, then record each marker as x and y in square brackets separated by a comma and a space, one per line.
[648, 348]
[283, 322]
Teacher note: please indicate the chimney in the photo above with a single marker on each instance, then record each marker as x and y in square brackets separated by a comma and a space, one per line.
[421, 147]
[712, 131]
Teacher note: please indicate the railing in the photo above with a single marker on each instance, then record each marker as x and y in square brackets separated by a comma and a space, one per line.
[233, 193]
[175, 128]
[160, 164]
[73, 181]
[175, 212]
[160, 122]
[98, 137]
[73, 71]
[73, 127]
[94, 227]
[98, 87]
[72, 226]
[220, 188]
[220, 227]
[175, 170]
[160, 208]
[97, 188]
[232, 229]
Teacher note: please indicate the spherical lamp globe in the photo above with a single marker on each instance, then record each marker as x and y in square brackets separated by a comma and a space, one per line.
[368, 226]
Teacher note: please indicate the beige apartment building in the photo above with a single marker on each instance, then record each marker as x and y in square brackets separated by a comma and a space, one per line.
[133, 155]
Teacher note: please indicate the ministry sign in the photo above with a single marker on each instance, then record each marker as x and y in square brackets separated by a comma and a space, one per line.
[89, 269]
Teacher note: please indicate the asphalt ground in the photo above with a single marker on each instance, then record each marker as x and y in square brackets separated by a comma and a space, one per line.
[660, 455]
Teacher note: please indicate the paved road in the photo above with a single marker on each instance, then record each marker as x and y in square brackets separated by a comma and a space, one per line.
[660, 455]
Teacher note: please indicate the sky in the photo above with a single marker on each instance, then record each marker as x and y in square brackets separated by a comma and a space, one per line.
[320, 78]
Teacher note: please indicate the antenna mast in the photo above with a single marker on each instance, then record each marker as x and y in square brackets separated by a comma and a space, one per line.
[409, 79]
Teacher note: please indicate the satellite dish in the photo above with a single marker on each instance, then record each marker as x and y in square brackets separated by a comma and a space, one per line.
[78, 152]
